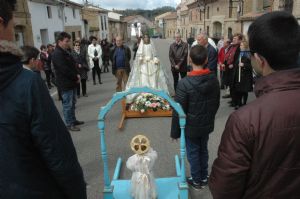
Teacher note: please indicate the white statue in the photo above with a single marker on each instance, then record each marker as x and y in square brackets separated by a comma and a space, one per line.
[141, 164]
[147, 71]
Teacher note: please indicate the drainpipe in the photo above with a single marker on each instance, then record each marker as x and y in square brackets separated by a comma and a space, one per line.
[254, 6]
[62, 5]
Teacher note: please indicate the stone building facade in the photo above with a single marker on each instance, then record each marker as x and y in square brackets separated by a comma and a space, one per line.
[23, 27]
[117, 27]
[73, 23]
[170, 25]
[95, 22]
[215, 17]
[292, 6]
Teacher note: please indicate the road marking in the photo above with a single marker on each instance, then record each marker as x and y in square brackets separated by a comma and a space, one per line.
[52, 94]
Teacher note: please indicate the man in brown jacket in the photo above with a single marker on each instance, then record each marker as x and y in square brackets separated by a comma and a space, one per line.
[178, 57]
[258, 156]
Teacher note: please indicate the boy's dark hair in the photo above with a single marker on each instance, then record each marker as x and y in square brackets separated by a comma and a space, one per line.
[61, 36]
[6, 10]
[49, 45]
[198, 55]
[43, 47]
[276, 37]
[29, 53]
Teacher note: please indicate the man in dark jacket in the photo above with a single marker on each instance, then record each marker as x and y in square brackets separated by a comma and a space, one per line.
[212, 53]
[178, 57]
[259, 152]
[199, 96]
[37, 156]
[67, 78]
[120, 59]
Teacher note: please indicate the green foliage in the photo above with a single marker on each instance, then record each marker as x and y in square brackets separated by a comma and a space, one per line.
[149, 14]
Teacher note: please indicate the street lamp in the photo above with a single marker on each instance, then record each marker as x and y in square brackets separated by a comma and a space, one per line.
[202, 8]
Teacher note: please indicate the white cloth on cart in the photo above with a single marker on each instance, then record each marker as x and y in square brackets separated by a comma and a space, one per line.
[142, 181]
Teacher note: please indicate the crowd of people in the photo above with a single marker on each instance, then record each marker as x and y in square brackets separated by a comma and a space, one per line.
[67, 67]
[258, 154]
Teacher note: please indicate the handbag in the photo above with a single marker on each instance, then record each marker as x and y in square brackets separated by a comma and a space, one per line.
[95, 53]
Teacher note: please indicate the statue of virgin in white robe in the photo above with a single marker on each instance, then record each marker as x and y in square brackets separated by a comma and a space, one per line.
[147, 71]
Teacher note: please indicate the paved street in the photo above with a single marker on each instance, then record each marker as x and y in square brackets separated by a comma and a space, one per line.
[157, 129]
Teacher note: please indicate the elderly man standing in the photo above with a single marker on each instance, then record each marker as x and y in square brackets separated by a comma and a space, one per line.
[120, 59]
[178, 57]
[202, 39]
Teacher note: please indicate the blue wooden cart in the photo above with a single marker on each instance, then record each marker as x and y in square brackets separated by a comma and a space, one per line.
[167, 188]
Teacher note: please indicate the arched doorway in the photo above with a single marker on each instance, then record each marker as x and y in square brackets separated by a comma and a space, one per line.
[217, 30]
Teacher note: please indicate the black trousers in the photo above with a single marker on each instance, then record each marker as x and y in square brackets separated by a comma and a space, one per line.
[233, 95]
[97, 70]
[105, 64]
[241, 98]
[176, 77]
[48, 77]
[83, 87]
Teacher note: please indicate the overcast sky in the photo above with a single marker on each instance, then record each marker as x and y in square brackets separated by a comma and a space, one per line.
[123, 4]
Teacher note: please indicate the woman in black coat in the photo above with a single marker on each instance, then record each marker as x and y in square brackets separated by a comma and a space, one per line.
[105, 54]
[243, 76]
[82, 67]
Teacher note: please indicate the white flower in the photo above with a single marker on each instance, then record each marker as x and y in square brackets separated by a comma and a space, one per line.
[147, 103]
[143, 111]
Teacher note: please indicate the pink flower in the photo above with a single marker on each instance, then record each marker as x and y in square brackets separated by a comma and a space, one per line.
[153, 105]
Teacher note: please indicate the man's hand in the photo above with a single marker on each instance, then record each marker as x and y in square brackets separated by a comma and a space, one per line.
[174, 140]
[241, 64]
[176, 67]
[79, 66]
[230, 66]
[78, 79]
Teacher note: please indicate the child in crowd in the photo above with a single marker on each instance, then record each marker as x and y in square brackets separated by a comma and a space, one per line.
[199, 96]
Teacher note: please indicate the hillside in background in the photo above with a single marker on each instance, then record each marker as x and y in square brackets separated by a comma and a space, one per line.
[149, 14]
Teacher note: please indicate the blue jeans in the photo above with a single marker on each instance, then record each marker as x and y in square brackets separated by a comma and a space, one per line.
[68, 103]
[197, 154]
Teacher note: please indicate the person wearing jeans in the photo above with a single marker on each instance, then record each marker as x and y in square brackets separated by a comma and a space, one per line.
[199, 96]
[69, 100]
[67, 78]
[197, 155]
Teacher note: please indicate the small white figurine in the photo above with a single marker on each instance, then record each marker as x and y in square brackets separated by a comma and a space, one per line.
[141, 164]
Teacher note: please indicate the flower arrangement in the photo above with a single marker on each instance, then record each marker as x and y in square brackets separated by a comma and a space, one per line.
[147, 101]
